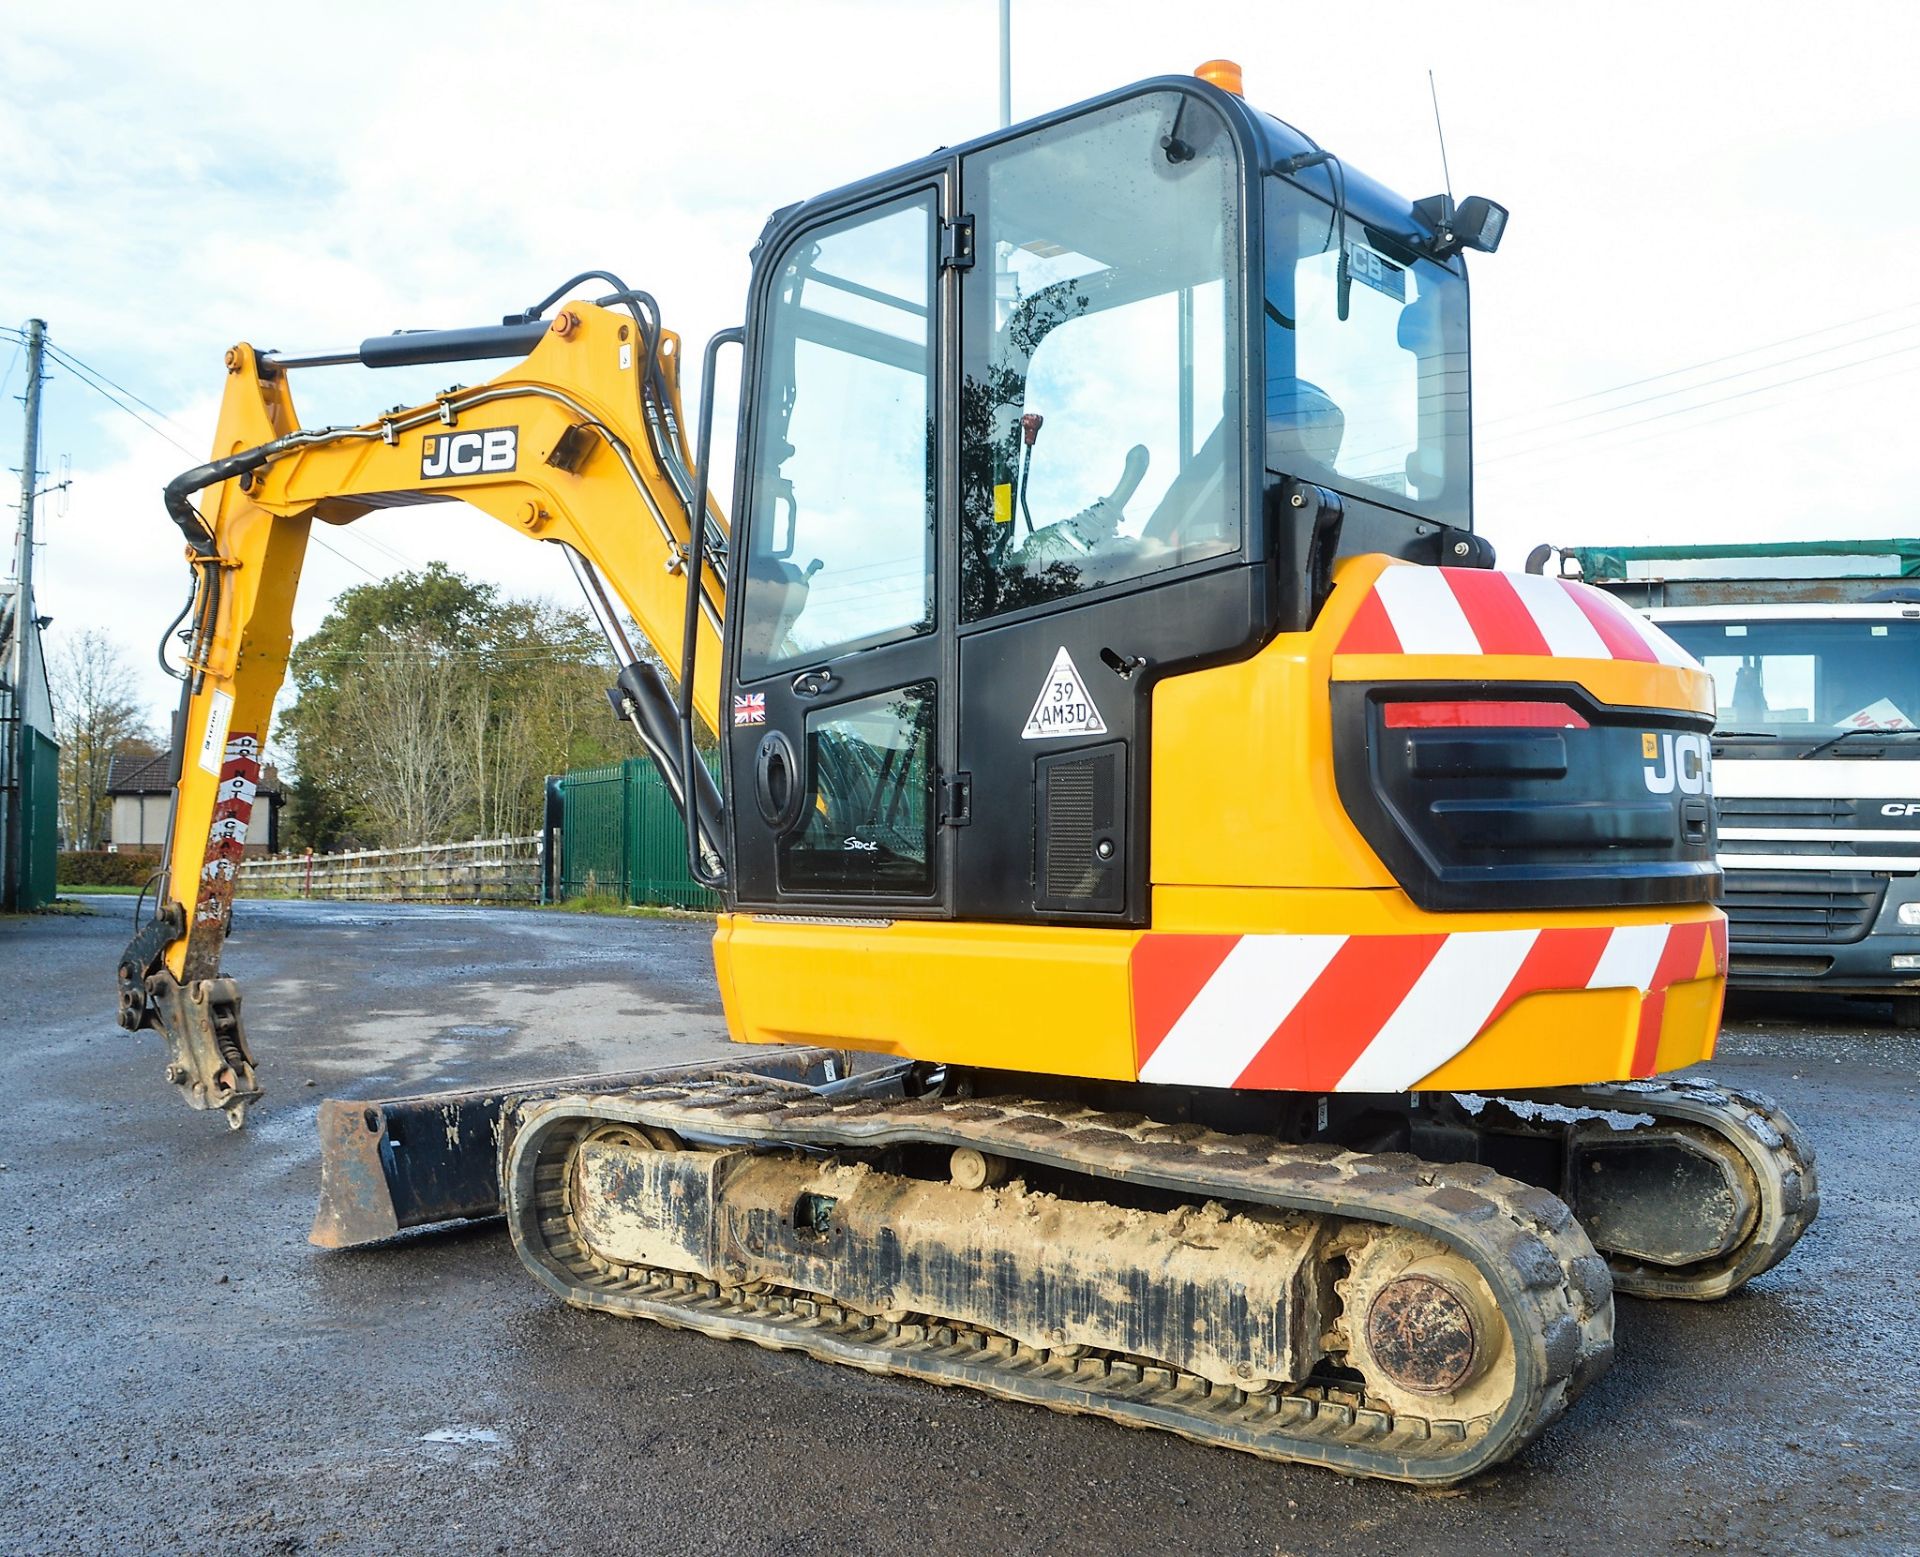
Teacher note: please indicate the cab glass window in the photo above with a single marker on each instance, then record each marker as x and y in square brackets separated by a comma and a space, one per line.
[868, 825]
[1367, 382]
[1099, 431]
[841, 539]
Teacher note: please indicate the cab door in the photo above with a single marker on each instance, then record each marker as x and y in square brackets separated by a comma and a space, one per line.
[834, 709]
[1105, 469]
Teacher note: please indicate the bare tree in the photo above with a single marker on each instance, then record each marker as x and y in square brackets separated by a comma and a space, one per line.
[430, 708]
[97, 717]
[514, 733]
[396, 732]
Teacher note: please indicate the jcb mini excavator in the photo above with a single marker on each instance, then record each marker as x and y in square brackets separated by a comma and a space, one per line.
[1272, 921]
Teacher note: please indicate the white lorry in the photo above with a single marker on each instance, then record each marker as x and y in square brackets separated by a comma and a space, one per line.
[1815, 654]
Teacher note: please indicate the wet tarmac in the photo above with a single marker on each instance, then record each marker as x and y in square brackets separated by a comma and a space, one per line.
[184, 1373]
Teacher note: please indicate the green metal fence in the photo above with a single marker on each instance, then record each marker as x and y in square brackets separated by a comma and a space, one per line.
[621, 836]
[39, 841]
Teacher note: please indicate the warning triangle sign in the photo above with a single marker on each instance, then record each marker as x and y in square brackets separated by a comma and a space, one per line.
[1064, 706]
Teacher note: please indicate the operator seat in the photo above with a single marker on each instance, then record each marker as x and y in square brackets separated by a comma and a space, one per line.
[1305, 427]
[776, 595]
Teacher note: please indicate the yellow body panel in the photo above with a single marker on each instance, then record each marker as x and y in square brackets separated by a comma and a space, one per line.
[1061, 1000]
[1017, 997]
[1691, 1029]
[1265, 716]
[1623, 683]
[1270, 716]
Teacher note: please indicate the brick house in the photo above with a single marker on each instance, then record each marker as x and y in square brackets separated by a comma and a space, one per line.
[142, 793]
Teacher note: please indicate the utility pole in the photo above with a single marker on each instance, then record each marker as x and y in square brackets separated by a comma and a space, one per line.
[12, 867]
[1006, 63]
[29, 471]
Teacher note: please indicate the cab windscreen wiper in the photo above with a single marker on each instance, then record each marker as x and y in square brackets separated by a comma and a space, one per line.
[1834, 740]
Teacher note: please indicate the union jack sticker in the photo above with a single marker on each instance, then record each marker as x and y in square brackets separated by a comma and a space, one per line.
[749, 708]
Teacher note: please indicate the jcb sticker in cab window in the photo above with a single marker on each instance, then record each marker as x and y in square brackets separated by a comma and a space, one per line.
[1682, 762]
[484, 452]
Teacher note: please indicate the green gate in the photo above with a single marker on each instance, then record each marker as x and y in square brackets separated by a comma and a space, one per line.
[621, 837]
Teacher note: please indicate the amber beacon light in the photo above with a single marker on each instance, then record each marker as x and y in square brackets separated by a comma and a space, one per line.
[1223, 73]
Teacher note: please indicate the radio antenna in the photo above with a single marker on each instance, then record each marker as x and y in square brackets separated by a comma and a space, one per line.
[1445, 174]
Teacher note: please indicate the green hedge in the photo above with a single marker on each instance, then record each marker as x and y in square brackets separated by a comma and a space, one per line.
[97, 868]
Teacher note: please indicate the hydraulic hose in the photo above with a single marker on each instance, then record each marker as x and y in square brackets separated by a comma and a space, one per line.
[690, 641]
[188, 482]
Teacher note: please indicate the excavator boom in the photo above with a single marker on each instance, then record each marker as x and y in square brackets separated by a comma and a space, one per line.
[578, 445]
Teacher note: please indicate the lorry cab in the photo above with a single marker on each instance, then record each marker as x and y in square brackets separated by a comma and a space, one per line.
[1814, 652]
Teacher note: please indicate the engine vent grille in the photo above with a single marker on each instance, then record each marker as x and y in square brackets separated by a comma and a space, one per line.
[1070, 823]
[1080, 831]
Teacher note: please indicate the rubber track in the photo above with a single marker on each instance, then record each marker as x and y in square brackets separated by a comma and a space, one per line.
[1770, 1144]
[1553, 1289]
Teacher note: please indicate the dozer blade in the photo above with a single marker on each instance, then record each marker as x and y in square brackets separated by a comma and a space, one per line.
[393, 1163]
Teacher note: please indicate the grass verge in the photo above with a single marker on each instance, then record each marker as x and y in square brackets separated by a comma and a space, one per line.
[615, 908]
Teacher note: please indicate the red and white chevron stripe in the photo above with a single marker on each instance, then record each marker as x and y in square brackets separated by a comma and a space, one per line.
[1419, 610]
[227, 837]
[1375, 1013]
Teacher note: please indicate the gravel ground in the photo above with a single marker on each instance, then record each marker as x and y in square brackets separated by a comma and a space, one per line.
[186, 1374]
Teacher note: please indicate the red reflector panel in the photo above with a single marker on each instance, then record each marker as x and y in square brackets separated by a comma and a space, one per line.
[1482, 715]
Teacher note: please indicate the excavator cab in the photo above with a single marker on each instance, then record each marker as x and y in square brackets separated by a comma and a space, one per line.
[1025, 428]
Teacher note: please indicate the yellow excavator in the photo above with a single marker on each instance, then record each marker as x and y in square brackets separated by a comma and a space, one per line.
[1220, 939]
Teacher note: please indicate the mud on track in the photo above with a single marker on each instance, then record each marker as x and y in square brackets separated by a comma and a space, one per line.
[185, 1374]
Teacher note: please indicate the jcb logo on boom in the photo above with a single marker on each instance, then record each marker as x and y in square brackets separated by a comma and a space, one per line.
[482, 453]
[1682, 762]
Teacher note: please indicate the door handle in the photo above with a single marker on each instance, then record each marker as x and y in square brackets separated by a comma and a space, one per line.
[777, 789]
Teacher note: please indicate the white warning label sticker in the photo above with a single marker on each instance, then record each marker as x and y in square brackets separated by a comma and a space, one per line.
[1065, 706]
[213, 739]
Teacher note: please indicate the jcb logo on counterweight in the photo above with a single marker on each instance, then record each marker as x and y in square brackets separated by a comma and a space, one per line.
[486, 452]
[1682, 762]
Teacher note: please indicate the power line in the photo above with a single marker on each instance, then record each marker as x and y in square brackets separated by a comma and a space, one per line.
[392, 552]
[350, 561]
[81, 375]
[1711, 362]
[1661, 416]
[12, 363]
[1792, 403]
[1725, 378]
[159, 432]
[583, 652]
[74, 362]
[87, 373]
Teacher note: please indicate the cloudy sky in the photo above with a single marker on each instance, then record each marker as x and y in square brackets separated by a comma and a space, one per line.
[1704, 322]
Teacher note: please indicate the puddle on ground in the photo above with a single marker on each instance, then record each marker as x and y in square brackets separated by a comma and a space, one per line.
[461, 1435]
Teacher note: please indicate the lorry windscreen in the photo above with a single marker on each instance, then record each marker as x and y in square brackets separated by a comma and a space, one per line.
[1808, 678]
